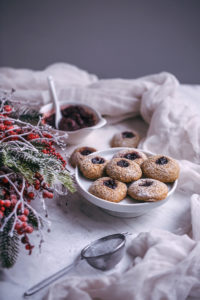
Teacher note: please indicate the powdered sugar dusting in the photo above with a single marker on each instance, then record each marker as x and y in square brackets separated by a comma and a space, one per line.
[141, 191]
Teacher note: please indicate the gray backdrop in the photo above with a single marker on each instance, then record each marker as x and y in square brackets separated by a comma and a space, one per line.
[109, 38]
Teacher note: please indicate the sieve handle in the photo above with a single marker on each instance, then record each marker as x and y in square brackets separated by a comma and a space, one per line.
[46, 282]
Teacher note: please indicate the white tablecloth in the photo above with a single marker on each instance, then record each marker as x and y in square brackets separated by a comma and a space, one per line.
[78, 223]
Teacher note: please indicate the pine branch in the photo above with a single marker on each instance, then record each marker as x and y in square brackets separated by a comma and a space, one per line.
[67, 181]
[26, 115]
[9, 246]
[28, 162]
[33, 220]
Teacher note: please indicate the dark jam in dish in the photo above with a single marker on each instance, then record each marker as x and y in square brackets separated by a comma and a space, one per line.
[74, 117]
[123, 163]
[110, 183]
[146, 183]
[162, 161]
[132, 155]
[98, 160]
[86, 152]
[127, 135]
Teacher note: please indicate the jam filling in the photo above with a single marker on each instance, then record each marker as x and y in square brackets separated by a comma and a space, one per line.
[132, 156]
[127, 135]
[123, 163]
[98, 160]
[110, 183]
[146, 183]
[86, 152]
[74, 117]
[162, 161]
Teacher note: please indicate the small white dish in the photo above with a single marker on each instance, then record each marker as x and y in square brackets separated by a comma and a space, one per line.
[76, 136]
[127, 207]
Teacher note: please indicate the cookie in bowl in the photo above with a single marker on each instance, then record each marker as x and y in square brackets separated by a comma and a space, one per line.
[123, 170]
[135, 155]
[79, 154]
[108, 189]
[161, 167]
[93, 166]
[129, 138]
[147, 189]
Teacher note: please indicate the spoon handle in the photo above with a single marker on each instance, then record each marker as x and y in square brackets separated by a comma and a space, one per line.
[55, 100]
[46, 282]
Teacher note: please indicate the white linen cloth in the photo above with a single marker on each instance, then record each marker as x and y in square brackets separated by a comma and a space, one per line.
[166, 265]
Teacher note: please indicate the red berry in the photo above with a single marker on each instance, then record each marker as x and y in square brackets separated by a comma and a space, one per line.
[23, 218]
[2, 208]
[24, 239]
[1, 202]
[38, 176]
[1, 214]
[20, 232]
[47, 135]
[31, 195]
[17, 226]
[26, 211]
[7, 122]
[44, 151]
[7, 203]
[9, 127]
[37, 186]
[5, 180]
[2, 127]
[28, 247]
[32, 136]
[24, 225]
[47, 194]
[18, 130]
[7, 108]
[29, 229]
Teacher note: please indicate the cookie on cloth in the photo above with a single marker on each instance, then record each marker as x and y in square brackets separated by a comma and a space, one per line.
[79, 154]
[123, 170]
[93, 166]
[128, 138]
[161, 167]
[147, 189]
[132, 154]
[108, 189]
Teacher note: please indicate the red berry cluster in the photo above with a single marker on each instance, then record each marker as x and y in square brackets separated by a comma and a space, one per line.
[10, 131]
[10, 201]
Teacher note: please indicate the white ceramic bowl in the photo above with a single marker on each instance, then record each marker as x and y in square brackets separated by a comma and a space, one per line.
[76, 136]
[127, 207]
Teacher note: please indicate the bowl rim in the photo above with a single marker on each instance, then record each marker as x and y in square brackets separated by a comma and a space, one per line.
[121, 207]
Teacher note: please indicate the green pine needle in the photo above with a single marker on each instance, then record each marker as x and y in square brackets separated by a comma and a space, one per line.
[9, 246]
[28, 162]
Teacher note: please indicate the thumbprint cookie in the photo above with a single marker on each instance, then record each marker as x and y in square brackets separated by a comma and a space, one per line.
[79, 154]
[132, 154]
[108, 189]
[123, 170]
[147, 189]
[93, 166]
[125, 139]
[160, 167]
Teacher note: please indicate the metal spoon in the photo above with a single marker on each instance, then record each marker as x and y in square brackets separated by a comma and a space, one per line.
[52, 88]
[102, 254]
